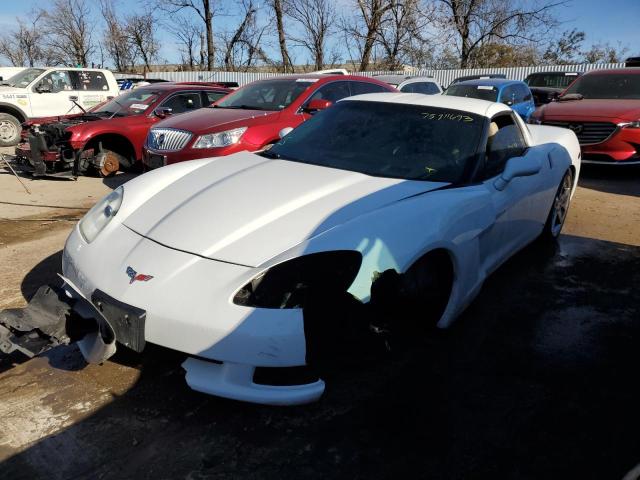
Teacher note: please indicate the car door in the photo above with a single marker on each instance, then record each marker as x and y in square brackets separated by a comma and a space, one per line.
[516, 220]
[91, 86]
[182, 102]
[53, 93]
[528, 105]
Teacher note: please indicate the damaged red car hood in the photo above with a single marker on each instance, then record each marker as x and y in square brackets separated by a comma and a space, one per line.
[246, 209]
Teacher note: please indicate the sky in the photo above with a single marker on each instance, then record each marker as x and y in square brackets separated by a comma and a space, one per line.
[612, 21]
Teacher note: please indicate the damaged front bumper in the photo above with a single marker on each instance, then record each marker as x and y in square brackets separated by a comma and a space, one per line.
[62, 315]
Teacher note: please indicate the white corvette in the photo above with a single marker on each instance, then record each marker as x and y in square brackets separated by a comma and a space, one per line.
[218, 258]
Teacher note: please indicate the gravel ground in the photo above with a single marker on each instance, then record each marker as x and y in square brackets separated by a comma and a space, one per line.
[537, 379]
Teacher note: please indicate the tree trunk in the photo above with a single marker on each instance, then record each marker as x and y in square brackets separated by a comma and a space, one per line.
[209, 26]
[287, 65]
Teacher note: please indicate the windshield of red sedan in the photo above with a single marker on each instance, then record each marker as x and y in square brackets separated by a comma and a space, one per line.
[607, 86]
[134, 102]
[270, 95]
[382, 139]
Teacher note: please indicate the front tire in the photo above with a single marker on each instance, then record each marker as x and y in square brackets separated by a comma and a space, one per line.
[559, 209]
[10, 129]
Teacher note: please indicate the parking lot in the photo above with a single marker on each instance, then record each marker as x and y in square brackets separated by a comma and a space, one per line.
[537, 379]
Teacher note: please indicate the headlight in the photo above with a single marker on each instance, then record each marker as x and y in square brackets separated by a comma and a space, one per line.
[100, 215]
[635, 124]
[288, 284]
[220, 139]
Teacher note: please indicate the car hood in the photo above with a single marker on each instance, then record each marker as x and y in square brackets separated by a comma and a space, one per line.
[585, 109]
[5, 89]
[246, 209]
[206, 120]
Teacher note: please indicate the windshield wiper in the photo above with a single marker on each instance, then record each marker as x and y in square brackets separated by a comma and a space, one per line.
[270, 154]
[241, 107]
[570, 96]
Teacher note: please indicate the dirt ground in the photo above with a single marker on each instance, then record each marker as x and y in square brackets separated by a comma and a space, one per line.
[537, 379]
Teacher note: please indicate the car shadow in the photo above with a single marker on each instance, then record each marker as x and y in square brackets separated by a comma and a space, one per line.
[616, 179]
[120, 178]
[537, 379]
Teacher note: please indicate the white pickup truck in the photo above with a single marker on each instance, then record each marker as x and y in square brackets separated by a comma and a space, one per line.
[45, 92]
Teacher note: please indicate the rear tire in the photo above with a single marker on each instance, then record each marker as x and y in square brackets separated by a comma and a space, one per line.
[559, 209]
[10, 128]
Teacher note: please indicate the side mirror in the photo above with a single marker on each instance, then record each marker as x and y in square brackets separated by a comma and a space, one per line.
[316, 105]
[163, 112]
[518, 167]
[43, 88]
[284, 132]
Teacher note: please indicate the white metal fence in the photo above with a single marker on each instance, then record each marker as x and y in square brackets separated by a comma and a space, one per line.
[444, 77]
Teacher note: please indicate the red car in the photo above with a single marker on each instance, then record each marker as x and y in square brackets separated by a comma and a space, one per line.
[251, 117]
[602, 107]
[110, 135]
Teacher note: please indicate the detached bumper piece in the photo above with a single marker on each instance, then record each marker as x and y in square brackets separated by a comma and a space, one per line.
[40, 326]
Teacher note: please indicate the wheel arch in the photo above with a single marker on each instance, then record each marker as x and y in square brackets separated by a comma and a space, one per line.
[13, 110]
[115, 142]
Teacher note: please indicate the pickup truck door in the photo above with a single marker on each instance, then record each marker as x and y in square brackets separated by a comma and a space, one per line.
[52, 95]
[91, 87]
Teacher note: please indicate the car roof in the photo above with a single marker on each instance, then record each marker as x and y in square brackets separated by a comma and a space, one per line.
[420, 79]
[471, 105]
[490, 82]
[170, 86]
[610, 71]
[557, 72]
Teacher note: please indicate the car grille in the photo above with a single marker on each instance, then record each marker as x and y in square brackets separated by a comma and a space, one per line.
[588, 133]
[167, 139]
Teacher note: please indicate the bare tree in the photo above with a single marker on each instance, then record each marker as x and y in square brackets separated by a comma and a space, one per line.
[400, 32]
[68, 27]
[566, 49]
[278, 10]
[140, 30]
[242, 45]
[315, 19]
[372, 14]
[248, 19]
[188, 35]
[605, 53]
[118, 45]
[24, 46]
[204, 10]
[473, 23]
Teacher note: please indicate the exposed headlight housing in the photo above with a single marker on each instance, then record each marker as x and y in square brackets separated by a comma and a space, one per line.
[220, 139]
[288, 284]
[100, 215]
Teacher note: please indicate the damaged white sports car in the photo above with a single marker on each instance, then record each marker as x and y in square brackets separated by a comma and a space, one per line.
[224, 258]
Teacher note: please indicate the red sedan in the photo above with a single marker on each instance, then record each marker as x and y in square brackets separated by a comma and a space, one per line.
[251, 117]
[110, 135]
[602, 107]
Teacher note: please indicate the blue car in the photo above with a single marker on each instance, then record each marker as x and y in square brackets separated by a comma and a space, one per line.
[513, 93]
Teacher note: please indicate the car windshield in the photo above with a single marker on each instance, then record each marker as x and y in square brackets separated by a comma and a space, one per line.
[135, 102]
[24, 78]
[483, 92]
[382, 139]
[551, 80]
[607, 86]
[267, 94]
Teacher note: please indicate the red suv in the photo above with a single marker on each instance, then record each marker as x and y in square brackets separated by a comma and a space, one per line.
[109, 135]
[251, 117]
[602, 107]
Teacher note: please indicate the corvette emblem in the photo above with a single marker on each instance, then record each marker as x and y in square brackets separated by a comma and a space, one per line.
[135, 276]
